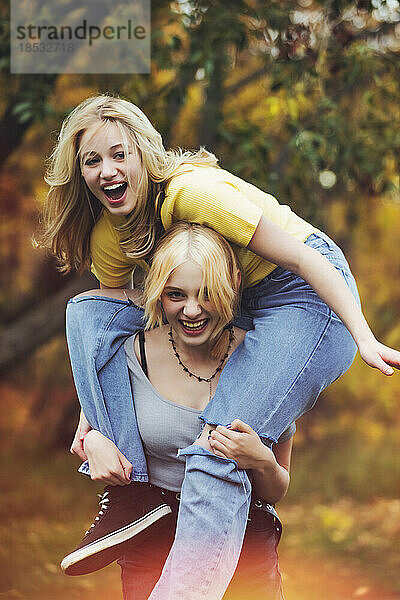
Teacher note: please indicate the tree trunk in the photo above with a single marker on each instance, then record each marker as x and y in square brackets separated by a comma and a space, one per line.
[39, 325]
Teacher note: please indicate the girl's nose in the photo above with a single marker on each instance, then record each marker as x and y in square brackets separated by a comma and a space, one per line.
[192, 308]
[108, 169]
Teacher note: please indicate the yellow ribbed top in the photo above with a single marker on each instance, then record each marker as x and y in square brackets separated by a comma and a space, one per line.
[208, 196]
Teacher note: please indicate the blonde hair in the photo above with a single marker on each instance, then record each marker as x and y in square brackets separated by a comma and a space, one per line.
[71, 210]
[221, 281]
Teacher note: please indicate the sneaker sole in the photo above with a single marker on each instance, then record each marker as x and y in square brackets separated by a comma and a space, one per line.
[109, 541]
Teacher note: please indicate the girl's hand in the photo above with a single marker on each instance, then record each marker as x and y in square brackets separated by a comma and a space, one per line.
[106, 462]
[379, 356]
[241, 443]
[77, 443]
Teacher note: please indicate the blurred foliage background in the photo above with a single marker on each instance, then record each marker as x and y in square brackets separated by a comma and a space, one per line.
[299, 98]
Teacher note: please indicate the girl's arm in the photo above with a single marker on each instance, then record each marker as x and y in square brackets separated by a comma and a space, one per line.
[270, 468]
[82, 429]
[271, 479]
[272, 243]
[106, 463]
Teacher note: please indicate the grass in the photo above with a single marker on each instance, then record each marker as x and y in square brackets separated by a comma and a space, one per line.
[345, 466]
[45, 507]
[44, 510]
[343, 503]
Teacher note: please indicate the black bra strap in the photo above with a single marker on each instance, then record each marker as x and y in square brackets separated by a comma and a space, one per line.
[143, 353]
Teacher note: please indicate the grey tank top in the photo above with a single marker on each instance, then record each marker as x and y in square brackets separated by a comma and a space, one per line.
[164, 426]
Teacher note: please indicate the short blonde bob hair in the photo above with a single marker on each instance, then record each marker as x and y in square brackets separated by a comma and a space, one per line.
[221, 274]
[71, 210]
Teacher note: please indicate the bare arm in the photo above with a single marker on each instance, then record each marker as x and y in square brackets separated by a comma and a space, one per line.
[272, 243]
[106, 463]
[82, 429]
[271, 478]
[270, 469]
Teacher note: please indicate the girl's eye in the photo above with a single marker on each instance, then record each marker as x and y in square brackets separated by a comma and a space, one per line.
[91, 161]
[175, 295]
[120, 155]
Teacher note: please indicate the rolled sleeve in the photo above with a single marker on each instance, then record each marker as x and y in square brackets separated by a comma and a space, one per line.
[214, 202]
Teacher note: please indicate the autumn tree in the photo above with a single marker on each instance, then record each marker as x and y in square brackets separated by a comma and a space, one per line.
[298, 98]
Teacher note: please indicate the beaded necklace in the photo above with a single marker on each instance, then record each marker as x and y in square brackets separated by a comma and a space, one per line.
[217, 370]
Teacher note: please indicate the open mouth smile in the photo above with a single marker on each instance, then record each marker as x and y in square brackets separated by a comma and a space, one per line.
[115, 192]
[193, 327]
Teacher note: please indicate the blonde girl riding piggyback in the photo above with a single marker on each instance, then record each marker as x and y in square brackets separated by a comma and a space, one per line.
[193, 283]
[113, 190]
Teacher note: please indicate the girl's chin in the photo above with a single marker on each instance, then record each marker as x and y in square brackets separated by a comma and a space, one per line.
[115, 205]
[120, 208]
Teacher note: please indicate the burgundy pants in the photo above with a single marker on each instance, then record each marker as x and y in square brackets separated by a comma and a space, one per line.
[257, 576]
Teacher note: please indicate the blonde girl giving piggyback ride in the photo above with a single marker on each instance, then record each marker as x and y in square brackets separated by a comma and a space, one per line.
[113, 189]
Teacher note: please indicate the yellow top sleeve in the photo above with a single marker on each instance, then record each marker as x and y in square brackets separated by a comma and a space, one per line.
[109, 264]
[208, 197]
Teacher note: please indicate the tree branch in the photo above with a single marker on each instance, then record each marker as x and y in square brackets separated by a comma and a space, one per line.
[39, 325]
[235, 87]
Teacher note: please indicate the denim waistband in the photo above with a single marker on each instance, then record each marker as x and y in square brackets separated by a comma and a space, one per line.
[319, 241]
[257, 504]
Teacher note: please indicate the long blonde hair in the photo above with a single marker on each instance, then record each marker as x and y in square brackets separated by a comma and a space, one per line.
[71, 210]
[221, 275]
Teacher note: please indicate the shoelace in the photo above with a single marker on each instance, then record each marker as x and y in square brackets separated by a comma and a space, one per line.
[103, 507]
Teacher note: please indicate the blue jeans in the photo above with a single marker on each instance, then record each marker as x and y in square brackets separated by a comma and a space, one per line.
[257, 575]
[297, 346]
